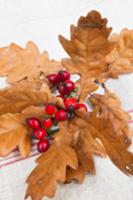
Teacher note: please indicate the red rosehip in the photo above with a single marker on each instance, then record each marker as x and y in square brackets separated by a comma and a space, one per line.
[81, 105]
[69, 85]
[50, 109]
[62, 90]
[47, 123]
[61, 115]
[71, 104]
[39, 133]
[64, 75]
[53, 79]
[43, 145]
[33, 123]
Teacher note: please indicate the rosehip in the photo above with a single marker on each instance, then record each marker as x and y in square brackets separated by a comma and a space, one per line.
[47, 123]
[33, 123]
[61, 115]
[53, 79]
[43, 145]
[69, 86]
[81, 105]
[39, 133]
[62, 90]
[64, 75]
[50, 109]
[71, 104]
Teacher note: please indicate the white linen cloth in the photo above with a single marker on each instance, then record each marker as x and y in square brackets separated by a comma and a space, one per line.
[41, 21]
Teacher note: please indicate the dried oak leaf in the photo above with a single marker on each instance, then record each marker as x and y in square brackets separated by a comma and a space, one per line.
[88, 48]
[23, 94]
[115, 145]
[120, 60]
[37, 111]
[85, 148]
[51, 168]
[86, 87]
[14, 132]
[108, 106]
[19, 63]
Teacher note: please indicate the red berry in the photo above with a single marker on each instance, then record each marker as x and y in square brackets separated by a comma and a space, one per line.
[69, 85]
[53, 79]
[34, 123]
[81, 105]
[39, 134]
[43, 145]
[64, 75]
[47, 123]
[71, 103]
[62, 90]
[61, 115]
[50, 109]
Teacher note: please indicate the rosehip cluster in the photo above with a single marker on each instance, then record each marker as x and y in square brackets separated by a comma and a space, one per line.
[39, 134]
[62, 82]
[66, 88]
[43, 130]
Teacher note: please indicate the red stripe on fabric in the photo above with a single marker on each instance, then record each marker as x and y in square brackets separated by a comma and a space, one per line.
[130, 111]
[20, 159]
[16, 155]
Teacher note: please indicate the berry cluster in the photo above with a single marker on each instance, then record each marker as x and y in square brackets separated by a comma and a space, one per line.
[66, 88]
[62, 82]
[44, 130]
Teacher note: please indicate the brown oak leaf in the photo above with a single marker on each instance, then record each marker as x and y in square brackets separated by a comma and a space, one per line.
[15, 133]
[37, 111]
[19, 63]
[88, 48]
[86, 86]
[51, 168]
[86, 165]
[85, 147]
[117, 151]
[116, 145]
[21, 95]
[120, 60]
[108, 106]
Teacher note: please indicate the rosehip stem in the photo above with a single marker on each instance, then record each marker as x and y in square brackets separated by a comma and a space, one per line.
[71, 109]
[70, 115]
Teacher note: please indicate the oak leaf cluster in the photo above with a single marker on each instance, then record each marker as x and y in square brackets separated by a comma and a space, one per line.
[96, 55]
